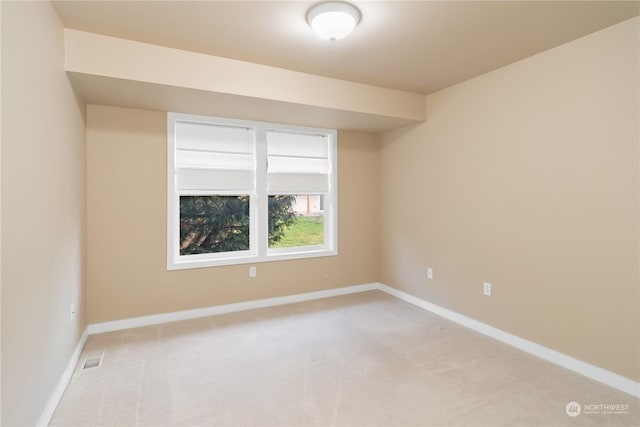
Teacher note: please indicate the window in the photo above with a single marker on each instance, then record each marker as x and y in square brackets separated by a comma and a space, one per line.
[244, 192]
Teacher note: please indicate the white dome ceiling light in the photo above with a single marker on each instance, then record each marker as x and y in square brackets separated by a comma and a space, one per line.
[333, 20]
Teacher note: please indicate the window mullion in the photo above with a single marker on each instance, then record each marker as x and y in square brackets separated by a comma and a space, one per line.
[261, 220]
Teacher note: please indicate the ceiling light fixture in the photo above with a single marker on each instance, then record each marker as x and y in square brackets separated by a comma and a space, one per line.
[333, 20]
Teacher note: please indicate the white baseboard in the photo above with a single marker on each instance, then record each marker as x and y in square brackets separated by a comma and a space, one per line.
[588, 370]
[155, 319]
[603, 376]
[53, 401]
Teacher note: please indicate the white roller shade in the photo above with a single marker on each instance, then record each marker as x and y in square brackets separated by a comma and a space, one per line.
[214, 157]
[297, 163]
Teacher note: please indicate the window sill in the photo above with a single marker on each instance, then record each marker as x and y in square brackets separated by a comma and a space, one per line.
[184, 264]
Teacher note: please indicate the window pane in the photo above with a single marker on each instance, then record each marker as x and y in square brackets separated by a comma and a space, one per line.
[210, 224]
[296, 220]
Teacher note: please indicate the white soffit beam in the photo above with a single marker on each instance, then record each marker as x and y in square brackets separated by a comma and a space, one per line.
[130, 61]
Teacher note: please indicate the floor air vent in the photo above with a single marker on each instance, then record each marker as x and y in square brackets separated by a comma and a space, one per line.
[93, 360]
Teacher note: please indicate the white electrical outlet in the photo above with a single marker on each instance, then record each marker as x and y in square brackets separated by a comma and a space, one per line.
[429, 273]
[252, 272]
[486, 289]
[72, 311]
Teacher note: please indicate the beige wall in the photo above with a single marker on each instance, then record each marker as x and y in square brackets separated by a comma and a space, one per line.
[126, 209]
[43, 205]
[527, 177]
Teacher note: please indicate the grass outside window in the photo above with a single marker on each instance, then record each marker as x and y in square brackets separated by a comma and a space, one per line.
[304, 231]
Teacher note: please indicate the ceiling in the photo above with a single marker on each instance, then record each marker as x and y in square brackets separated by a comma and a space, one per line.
[418, 46]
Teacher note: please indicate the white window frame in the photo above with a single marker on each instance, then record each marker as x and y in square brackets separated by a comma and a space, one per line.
[258, 206]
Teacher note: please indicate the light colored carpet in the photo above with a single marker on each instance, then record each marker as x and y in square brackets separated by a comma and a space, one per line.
[362, 360]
